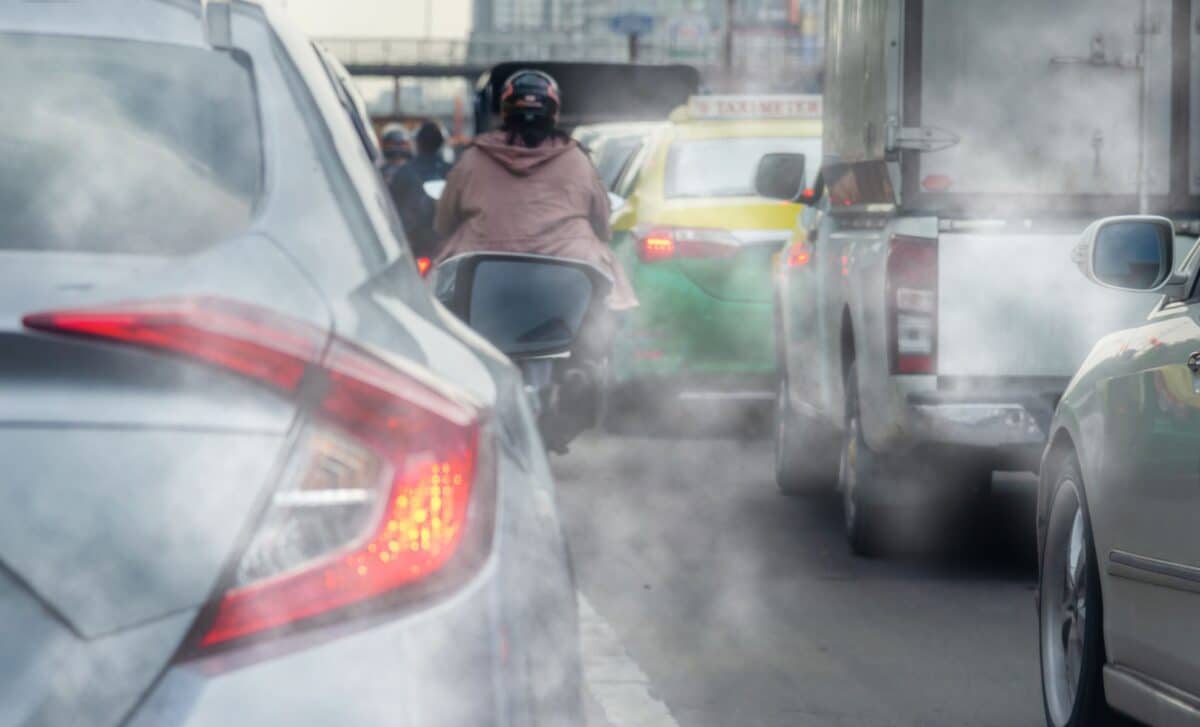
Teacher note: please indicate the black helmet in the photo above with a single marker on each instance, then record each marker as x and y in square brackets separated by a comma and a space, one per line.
[530, 98]
[429, 138]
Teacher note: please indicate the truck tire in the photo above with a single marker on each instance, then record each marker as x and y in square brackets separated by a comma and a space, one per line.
[858, 473]
[805, 461]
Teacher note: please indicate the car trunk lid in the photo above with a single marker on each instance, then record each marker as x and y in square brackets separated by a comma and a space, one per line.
[758, 229]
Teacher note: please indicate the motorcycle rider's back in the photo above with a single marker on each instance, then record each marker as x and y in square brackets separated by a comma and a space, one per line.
[538, 193]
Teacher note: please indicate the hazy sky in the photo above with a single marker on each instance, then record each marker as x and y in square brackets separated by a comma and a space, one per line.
[388, 18]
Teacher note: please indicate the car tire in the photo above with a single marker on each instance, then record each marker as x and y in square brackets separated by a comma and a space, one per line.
[805, 461]
[1071, 653]
[858, 473]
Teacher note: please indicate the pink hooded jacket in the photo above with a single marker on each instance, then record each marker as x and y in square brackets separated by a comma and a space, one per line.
[548, 200]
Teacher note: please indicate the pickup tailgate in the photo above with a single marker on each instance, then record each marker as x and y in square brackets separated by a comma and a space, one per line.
[1013, 305]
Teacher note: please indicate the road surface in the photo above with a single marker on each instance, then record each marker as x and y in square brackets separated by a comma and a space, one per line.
[711, 600]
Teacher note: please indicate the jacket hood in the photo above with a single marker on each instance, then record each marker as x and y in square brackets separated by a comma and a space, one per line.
[521, 160]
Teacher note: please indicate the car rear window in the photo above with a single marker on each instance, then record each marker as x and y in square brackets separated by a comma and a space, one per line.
[613, 157]
[726, 167]
[121, 146]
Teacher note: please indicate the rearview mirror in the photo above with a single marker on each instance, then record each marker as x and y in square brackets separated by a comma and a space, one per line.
[1133, 253]
[528, 306]
[780, 176]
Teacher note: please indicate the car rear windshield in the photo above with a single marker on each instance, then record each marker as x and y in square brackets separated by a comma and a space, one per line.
[120, 146]
[613, 157]
[726, 167]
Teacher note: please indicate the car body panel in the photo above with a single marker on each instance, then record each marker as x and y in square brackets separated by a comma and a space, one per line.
[702, 319]
[1133, 418]
[140, 473]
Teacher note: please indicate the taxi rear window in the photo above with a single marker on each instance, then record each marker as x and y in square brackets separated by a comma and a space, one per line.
[726, 167]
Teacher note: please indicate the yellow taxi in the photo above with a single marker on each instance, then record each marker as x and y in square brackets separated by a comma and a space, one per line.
[700, 246]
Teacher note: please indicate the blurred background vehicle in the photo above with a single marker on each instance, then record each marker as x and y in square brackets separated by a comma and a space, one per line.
[1118, 503]
[253, 472]
[614, 146]
[934, 318]
[700, 245]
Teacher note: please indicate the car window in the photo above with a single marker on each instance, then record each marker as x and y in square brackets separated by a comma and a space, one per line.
[101, 139]
[614, 156]
[726, 167]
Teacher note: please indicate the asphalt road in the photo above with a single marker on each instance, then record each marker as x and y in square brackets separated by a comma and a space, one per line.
[743, 607]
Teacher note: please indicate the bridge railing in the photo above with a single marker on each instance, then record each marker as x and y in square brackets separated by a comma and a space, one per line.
[778, 54]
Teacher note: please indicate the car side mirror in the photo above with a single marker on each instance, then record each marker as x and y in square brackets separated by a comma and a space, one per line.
[1134, 253]
[527, 306]
[781, 176]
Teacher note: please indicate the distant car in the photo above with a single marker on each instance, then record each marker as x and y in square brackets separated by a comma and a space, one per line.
[700, 245]
[613, 146]
[1119, 501]
[253, 473]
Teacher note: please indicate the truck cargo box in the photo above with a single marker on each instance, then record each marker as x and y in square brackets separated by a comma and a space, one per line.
[1021, 107]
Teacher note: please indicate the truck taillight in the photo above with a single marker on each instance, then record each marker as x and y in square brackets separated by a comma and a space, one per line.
[377, 491]
[912, 304]
[664, 243]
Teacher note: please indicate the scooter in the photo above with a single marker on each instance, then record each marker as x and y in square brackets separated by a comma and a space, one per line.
[542, 312]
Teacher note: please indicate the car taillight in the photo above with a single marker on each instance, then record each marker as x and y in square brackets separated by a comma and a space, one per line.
[376, 491]
[664, 243]
[912, 275]
[424, 265]
[798, 255]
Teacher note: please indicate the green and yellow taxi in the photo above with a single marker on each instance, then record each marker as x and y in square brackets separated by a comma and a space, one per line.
[700, 246]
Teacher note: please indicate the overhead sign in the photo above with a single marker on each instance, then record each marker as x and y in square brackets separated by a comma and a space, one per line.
[768, 106]
[632, 24]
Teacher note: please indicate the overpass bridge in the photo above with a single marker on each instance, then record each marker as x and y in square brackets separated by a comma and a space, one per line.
[770, 57]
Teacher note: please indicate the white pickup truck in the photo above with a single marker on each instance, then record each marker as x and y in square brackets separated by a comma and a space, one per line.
[929, 314]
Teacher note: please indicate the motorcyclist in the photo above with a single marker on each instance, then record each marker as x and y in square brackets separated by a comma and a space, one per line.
[407, 187]
[530, 188]
[428, 162]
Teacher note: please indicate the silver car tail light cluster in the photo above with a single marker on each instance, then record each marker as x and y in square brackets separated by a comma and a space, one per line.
[378, 492]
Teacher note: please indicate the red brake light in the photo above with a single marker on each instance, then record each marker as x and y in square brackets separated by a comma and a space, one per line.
[663, 243]
[912, 305]
[656, 245]
[429, 445]
[238, 337]
[937, 183]
[389, 463]
[799, 255]
[423, 265]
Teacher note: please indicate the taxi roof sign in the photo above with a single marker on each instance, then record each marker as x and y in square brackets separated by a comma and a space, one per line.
[768, 106]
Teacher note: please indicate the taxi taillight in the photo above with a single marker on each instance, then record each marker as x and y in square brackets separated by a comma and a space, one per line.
[665, 243]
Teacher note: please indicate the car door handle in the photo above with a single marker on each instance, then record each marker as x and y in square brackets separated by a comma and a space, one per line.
[1193, 362]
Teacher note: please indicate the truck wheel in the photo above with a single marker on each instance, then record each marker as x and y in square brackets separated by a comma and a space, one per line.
[1070, 626]
[857, 473]
[804, 463]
